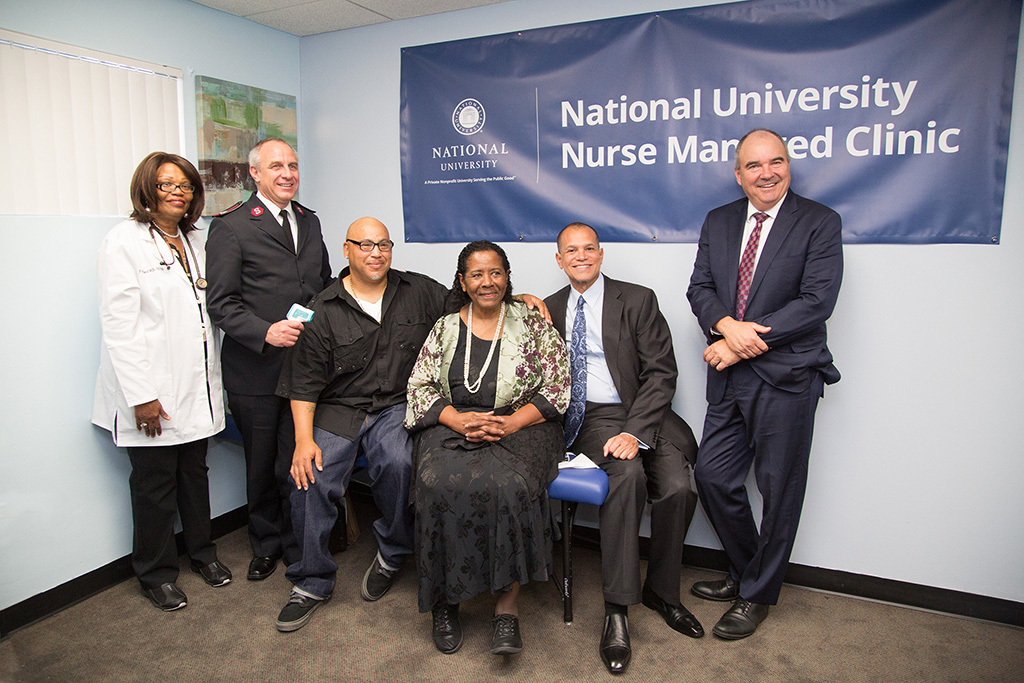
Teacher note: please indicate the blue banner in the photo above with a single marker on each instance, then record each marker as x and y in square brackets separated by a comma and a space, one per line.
[896, 114]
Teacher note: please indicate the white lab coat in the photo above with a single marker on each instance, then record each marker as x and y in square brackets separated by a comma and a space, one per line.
[154, 323]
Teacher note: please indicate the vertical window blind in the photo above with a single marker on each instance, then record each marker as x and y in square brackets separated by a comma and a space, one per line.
[74, 124]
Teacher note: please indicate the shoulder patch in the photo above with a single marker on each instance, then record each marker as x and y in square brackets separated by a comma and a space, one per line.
[228, 210]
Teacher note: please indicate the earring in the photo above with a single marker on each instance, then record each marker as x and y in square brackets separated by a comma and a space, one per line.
[147, 209]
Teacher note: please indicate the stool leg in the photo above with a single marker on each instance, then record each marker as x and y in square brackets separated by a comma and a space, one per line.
[568, 514]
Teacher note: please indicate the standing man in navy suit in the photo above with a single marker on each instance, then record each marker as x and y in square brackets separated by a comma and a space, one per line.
[625, 383]
[263, 256]
[765, 280]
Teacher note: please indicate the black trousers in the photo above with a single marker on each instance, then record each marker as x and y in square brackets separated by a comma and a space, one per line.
[268, 437]
[165, 480]
[771, 428]
[665, 477]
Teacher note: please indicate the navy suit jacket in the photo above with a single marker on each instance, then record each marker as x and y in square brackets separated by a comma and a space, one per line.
[793, 290]
[640, 357]
[255, 275]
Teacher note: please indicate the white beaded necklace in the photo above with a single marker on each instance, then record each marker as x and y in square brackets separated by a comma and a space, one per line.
[165, 234]
[475, 386]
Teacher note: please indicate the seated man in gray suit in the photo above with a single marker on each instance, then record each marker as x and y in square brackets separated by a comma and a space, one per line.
[620, 415]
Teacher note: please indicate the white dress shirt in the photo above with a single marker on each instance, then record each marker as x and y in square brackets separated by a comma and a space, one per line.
[276, 210]
[766, 228]
[600, 387]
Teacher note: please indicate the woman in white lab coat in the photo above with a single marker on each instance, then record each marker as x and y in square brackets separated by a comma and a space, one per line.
[159, 387]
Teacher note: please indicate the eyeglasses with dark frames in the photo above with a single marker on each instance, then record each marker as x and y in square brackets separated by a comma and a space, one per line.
[186, 188]
[367, 245]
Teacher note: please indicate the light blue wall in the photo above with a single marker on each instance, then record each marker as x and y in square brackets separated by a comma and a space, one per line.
[916, 466]
[64, 506]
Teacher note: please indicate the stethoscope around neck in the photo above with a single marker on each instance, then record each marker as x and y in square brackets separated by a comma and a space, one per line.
[200, 281]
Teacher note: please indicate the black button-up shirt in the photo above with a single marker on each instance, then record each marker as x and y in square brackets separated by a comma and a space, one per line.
[349, 364]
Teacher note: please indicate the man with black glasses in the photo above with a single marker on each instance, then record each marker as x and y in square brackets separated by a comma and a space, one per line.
[346, 379]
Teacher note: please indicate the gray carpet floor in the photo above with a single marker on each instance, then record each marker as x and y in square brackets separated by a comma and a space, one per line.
[228, 634]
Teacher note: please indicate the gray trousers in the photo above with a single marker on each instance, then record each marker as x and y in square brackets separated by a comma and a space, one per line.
[663, 476]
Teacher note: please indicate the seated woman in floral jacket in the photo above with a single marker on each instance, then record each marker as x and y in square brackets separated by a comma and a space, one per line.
[486, 398]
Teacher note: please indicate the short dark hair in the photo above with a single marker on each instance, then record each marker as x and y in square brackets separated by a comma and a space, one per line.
[758, 130]
[558, 240]
[144, 192]
[458, 298]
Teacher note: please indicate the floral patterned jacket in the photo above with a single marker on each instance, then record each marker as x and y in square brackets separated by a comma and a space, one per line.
[532, 362]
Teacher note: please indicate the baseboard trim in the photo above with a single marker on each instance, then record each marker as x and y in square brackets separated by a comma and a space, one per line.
[855, 585]
[47, 603]
[38, 607]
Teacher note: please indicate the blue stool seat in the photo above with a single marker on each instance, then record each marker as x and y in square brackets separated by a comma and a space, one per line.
[572, 487]
[580, 486]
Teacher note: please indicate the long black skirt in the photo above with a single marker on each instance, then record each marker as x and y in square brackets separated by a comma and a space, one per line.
[483, 521]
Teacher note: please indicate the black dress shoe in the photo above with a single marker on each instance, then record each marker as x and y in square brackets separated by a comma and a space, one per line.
[167, 597]
[506, 639]
[724, 590]
[215, 574]
[447, 630]
[676, 616]
[261, 567]
[615, 649]
[740, 620]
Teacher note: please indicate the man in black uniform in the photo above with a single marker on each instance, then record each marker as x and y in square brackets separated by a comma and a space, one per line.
[263, 256]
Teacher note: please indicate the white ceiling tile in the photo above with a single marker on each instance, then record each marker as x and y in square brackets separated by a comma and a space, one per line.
[319, 16]
[245, 8]
[309, 17]
[407, 9]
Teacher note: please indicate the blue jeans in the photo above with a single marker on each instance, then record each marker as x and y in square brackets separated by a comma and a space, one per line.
[388, 449]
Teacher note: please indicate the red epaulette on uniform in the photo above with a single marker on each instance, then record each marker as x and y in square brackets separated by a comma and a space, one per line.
[228, 210]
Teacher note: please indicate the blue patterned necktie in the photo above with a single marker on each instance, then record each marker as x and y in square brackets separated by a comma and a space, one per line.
[578, 397]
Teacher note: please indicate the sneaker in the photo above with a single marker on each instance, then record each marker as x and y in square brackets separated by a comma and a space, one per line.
[297, 612]
[506, 639]
[376, 581]
[167, 597]
[214, 574]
